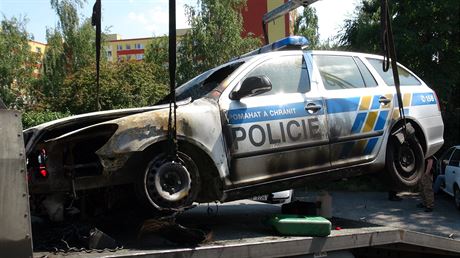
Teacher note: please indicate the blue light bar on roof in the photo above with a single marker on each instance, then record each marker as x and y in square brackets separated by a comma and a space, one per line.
[291, 41]
[288, 43]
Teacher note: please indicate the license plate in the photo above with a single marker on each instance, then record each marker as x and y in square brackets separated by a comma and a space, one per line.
[260, 198]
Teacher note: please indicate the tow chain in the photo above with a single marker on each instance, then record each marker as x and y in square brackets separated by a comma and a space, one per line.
[389, 59]
[70, 233]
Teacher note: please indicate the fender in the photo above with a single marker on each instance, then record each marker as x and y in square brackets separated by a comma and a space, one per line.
[198, 123]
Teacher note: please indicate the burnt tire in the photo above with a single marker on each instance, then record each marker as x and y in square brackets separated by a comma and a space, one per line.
[457, 196]
[405, 163]
[169, 185]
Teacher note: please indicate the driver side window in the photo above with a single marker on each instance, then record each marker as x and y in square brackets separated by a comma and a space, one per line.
[288, 74]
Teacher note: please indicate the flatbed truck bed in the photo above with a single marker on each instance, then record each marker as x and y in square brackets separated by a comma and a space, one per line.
[238, 231]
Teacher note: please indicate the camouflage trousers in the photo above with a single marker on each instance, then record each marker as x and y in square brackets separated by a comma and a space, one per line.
[426, 190]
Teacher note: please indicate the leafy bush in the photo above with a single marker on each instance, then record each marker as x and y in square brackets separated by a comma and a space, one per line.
[33, 118]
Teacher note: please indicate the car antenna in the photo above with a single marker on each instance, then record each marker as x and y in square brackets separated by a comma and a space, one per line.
[389, 59]
[96, 21]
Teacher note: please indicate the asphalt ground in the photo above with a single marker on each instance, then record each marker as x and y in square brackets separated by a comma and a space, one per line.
[375, 208]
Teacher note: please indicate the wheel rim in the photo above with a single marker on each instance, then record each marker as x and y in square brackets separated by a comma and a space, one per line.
[172, 181]
[167, 183]
[406, 161]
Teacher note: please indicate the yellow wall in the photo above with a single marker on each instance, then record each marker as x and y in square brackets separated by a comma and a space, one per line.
[136, 47]
[276, 28]
[39, 48]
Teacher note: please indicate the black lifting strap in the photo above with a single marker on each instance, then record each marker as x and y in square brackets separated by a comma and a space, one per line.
[96, 21]
[172, 129]
[389, 55]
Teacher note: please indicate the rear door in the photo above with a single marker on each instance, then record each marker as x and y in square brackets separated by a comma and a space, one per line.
[358, 109]
[282, 132]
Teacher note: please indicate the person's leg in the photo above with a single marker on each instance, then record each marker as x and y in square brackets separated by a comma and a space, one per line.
[428, 195]
[422, 193]
[437, 183]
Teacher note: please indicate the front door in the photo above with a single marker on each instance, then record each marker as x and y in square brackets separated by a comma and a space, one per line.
[280, 133]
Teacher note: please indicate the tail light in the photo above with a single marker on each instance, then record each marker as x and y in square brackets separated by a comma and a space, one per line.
[42, 171]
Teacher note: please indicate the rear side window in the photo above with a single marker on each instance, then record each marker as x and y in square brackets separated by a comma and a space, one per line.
[367, 76]
[288, 74]
[342, 72]
[405, 78]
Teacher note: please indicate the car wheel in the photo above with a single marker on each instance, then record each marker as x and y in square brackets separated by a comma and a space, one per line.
[169, 184]
[405, 163]
[457, 197]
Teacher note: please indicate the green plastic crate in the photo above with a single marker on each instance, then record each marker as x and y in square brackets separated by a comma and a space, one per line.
[298, 225]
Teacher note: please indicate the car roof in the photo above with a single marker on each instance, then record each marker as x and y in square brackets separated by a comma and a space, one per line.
[314, 52]
[348, 53]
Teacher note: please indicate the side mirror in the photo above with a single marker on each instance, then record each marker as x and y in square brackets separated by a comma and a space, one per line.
[252, 86]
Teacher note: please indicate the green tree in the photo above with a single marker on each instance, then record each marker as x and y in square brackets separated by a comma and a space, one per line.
[78, 37]
[17, 62]
[156, 52]
[123, 85]
[427, 40]
[306, 24]
[47, 88]
[71, 47]
[215, 37]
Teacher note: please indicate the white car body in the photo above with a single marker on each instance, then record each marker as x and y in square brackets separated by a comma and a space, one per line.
[449, 165]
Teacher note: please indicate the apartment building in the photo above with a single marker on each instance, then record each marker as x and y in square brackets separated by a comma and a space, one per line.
[38, 48]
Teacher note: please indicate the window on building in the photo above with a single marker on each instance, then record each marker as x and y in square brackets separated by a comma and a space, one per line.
[128, 57]
[138, 46]
[109, 53]
[120, 47]
[139, 56]
[128, 46]
[38, 49]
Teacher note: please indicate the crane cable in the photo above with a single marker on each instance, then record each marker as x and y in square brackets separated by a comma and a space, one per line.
[172, 121]
[96, 21]
[389, 57]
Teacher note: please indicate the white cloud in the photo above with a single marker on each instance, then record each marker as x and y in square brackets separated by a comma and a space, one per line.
[155, 20]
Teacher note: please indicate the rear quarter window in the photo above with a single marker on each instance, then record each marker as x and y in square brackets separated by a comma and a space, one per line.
[405, 78]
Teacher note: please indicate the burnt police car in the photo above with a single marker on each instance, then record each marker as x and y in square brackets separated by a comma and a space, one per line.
[264, 122]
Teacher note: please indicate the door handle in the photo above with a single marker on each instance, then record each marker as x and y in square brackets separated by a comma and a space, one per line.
[384, 100]
[312, 108]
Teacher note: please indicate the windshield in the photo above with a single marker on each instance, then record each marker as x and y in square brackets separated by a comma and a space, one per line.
[204, 83]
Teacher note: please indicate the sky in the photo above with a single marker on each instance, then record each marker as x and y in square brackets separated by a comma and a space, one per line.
[146, 18]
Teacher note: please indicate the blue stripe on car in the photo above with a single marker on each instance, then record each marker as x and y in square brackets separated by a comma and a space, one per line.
[359, 122]
[342, 105]
[268, 113]
[381, 120]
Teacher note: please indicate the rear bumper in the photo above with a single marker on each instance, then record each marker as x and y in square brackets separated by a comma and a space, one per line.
[433, 128]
